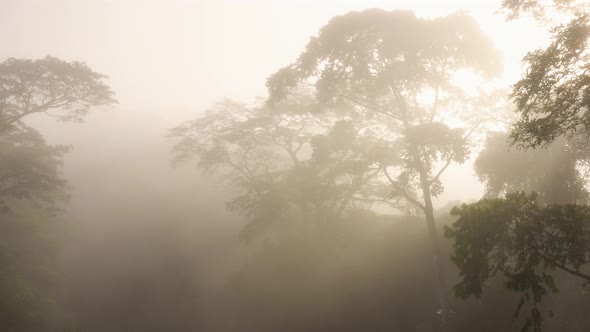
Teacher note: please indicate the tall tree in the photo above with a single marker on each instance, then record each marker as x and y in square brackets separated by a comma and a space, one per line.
[288, 165]
[394, 72]
[519, 236]
[48, 86]
[31, 183]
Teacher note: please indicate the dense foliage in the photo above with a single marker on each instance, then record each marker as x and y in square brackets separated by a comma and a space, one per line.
[522, 240]
[553, 98]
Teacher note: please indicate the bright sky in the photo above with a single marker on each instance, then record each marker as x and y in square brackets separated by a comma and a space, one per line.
[175, 57]
[180, 55]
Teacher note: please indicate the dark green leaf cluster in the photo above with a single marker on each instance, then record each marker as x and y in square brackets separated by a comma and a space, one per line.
[522, 241]
[553, 97]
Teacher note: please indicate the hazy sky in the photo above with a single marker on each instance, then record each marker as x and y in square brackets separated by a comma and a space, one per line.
[174, 58]
[179, 56]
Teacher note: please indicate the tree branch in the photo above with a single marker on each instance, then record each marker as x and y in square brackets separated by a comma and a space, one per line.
[403, 192]
[563, 267]
[440, 172]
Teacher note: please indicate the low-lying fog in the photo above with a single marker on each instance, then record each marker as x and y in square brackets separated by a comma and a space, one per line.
[289, 166]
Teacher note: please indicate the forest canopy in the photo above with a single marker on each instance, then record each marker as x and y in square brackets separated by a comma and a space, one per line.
[295, 166]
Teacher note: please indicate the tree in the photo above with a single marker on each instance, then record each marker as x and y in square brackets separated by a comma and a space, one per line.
[523, 241]
[30, 169]
[31, 184]
[289, 165]
[39, 86]
[554, 173]
[393, 72]
[520, 236]
[553, 97]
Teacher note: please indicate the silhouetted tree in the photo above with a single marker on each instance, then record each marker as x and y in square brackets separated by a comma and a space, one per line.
[287, 162]
[29, 168]
[394, 73]
[31, 184]
[40, 86]
[553, 97]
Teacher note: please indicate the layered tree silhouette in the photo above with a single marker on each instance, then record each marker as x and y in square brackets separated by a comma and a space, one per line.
[523, 237]
[32, 187]
[394, 73]
[288, 164]
[370, 114]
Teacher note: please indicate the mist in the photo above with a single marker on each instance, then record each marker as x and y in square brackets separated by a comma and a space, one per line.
[196, 165]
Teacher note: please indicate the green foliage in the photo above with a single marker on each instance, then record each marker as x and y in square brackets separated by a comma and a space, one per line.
[553, 97]
[524, 242]
[518, 237]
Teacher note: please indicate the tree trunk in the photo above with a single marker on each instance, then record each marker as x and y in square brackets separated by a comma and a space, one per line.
[443, 297]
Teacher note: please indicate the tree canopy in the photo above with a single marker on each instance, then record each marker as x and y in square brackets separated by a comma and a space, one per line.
[39, 86]
[526, 237]
[30, 168]
[523, 241]
[553, 97]
[375, 130]
[32, 187]
[394, 72]
[291, 166]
